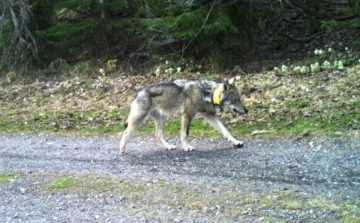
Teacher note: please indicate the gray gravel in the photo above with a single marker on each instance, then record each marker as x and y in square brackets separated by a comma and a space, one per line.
[324, 166]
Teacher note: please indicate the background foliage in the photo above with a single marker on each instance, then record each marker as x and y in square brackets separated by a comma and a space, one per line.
[218, 33]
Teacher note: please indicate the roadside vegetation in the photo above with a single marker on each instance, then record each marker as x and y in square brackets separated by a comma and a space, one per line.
[325, 102]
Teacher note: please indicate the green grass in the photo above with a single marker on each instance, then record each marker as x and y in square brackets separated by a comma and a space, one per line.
[93, 122]
[85, 183]
[298, 103]
[5, 177]
[335, 121]
[350, 211]
[357, 102]
[63, 183]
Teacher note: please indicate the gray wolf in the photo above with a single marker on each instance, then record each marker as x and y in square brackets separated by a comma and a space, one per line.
[185, 99]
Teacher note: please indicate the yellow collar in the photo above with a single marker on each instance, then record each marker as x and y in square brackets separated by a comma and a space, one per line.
[216, 96]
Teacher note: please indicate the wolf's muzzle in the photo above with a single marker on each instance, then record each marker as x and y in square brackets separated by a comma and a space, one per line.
[240, 112]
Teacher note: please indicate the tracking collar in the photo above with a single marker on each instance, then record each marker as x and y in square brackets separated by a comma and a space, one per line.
[216, 96]
[216, 99]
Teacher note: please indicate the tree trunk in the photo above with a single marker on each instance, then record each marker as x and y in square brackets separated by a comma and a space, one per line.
[103, 29]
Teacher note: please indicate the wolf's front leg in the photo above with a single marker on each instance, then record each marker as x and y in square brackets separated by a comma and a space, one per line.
[214, 122]
[185, 127]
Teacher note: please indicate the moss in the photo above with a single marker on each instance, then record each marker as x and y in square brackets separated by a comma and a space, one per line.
[5, 177]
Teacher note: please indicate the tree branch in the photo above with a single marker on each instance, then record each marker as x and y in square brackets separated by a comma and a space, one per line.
[22, 41]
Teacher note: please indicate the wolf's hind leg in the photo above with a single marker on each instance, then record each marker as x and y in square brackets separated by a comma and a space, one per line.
[136, 117]
[159, 120]
[214, 122]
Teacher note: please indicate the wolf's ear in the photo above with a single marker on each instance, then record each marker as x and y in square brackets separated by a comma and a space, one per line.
[232, 81]
[226, 85]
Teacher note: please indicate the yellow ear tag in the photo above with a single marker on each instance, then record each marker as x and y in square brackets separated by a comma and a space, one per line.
[216, 96]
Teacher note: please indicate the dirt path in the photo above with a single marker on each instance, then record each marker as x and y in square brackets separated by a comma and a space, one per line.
[309, 180]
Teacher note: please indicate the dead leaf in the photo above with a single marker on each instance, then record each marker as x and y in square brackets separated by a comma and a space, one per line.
[257, 132]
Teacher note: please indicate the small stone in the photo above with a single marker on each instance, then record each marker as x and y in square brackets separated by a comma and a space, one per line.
[338, 133]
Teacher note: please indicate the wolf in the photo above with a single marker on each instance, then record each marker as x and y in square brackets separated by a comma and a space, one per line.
[186, 99]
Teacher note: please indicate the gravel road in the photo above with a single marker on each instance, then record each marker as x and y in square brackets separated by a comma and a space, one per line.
[314, 179]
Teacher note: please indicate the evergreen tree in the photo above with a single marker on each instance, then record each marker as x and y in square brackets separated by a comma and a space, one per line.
[44, 30]
[197, 28]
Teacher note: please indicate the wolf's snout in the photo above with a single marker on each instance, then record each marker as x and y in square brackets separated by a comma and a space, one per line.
[241, 112]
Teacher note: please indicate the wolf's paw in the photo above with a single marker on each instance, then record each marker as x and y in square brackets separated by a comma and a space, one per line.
[238, 144]
[188, 148]
[170, 147]
[122, 150]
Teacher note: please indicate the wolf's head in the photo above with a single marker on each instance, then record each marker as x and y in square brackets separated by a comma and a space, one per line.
[230, 100]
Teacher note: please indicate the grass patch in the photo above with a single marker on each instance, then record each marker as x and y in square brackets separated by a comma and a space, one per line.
[288, 200]
[347, 211]
[145, 197]
[6, 177]
[86, 183]
[298, 103]
[357, 102]
[63, 183]
[301, 125]
[350, 211]
[94, 122]
[322, 124]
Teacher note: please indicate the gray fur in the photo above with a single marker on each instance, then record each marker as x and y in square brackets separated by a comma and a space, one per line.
[185, 99]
